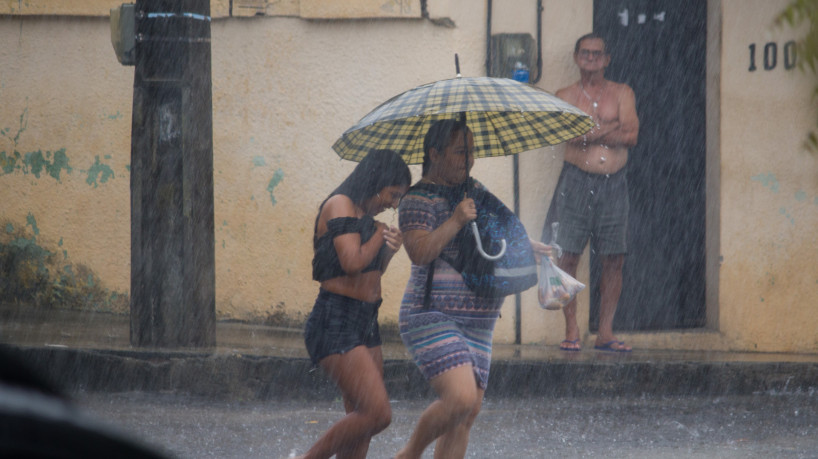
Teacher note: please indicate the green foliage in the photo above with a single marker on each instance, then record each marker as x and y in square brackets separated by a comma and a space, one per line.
[794, 15]
[33, 274]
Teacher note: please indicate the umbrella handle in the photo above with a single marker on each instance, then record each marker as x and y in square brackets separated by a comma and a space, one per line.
[480, 245]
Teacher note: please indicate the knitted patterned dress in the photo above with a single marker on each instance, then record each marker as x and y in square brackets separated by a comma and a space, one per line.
[457, 327]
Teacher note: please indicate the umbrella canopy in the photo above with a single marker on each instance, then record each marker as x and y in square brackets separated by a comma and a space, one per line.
[505, 116]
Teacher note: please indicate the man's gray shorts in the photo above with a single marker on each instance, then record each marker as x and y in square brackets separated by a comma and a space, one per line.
[590, 206]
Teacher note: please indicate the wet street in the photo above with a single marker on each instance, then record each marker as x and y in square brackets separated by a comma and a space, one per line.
[754, 426]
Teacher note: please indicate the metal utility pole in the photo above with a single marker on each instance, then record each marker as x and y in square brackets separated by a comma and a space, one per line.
[172, 238]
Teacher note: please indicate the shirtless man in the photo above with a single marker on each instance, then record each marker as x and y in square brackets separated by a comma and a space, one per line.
[591, 199]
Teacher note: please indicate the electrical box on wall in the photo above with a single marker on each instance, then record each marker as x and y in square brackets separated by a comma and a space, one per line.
[123, 33]
[512, 56]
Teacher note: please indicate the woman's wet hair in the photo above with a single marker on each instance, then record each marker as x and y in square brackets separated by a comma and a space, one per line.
[438, 137]
[378, 170]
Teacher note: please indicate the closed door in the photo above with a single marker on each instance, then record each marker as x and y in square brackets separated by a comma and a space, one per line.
[658, 48]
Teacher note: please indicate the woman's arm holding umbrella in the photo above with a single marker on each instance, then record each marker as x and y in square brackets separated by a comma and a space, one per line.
[424, 246]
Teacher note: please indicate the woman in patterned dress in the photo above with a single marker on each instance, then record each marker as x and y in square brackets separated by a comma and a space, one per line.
[444, 325]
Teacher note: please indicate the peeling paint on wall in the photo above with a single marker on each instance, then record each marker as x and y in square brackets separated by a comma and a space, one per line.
[767, 180]
[9, 163]
[783, 211]
[32, 222]
[224, 228]
[277, 177]
[35, 162]
[23, 125]
[53, 164]
[112, 117]
[800, 196]
[103, 171]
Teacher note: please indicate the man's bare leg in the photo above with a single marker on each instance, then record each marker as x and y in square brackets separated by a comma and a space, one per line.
[610, 286]
[568, 263]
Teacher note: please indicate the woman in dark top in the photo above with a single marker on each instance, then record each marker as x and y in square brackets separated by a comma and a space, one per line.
[351, 252]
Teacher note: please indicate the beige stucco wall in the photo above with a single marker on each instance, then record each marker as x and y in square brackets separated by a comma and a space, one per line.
[284, 88]
[61, 93]
[769, 191]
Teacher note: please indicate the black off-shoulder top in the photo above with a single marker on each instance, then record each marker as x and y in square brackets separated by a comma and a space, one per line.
[325, 263]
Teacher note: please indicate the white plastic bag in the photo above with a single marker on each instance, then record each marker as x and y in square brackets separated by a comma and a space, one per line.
[555, 288]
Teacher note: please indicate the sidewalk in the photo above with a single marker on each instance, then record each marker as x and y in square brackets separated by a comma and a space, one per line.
[82, 351]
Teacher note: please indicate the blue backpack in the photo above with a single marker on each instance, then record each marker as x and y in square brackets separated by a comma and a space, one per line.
[515, 271]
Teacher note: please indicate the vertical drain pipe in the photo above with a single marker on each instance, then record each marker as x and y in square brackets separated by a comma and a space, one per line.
[488, 38]
[516, 159]
[539, 42]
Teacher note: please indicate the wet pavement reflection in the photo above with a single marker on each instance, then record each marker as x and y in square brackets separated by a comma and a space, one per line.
[749, 426]
[237, 400]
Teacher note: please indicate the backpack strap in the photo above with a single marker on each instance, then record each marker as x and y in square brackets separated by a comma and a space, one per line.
[450, 194]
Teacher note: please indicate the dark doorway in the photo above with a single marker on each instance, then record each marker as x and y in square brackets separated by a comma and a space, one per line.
[658, 48]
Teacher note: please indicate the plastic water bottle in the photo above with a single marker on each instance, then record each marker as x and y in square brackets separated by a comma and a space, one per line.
[520, 72]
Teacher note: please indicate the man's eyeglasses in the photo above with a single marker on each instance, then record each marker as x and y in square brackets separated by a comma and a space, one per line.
[586, 53]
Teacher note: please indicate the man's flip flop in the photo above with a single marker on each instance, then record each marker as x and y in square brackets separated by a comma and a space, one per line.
[609, 347]
[570, 345]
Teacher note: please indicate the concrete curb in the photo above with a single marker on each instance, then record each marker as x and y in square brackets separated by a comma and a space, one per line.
[254, 377]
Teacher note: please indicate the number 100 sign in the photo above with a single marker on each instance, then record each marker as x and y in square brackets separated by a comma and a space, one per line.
[770, 55]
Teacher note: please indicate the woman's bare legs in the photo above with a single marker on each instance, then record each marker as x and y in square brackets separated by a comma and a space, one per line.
[455, 442]
[449, 418]
[359, 375]
[349, 406]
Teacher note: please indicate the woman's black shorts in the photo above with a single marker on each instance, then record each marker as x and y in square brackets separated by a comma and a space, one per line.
[338, 323]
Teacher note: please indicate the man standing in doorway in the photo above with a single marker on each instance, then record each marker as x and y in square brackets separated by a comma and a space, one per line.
[591, 198]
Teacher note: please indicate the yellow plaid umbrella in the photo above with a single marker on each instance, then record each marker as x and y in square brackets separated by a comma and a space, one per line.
[505, 116]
